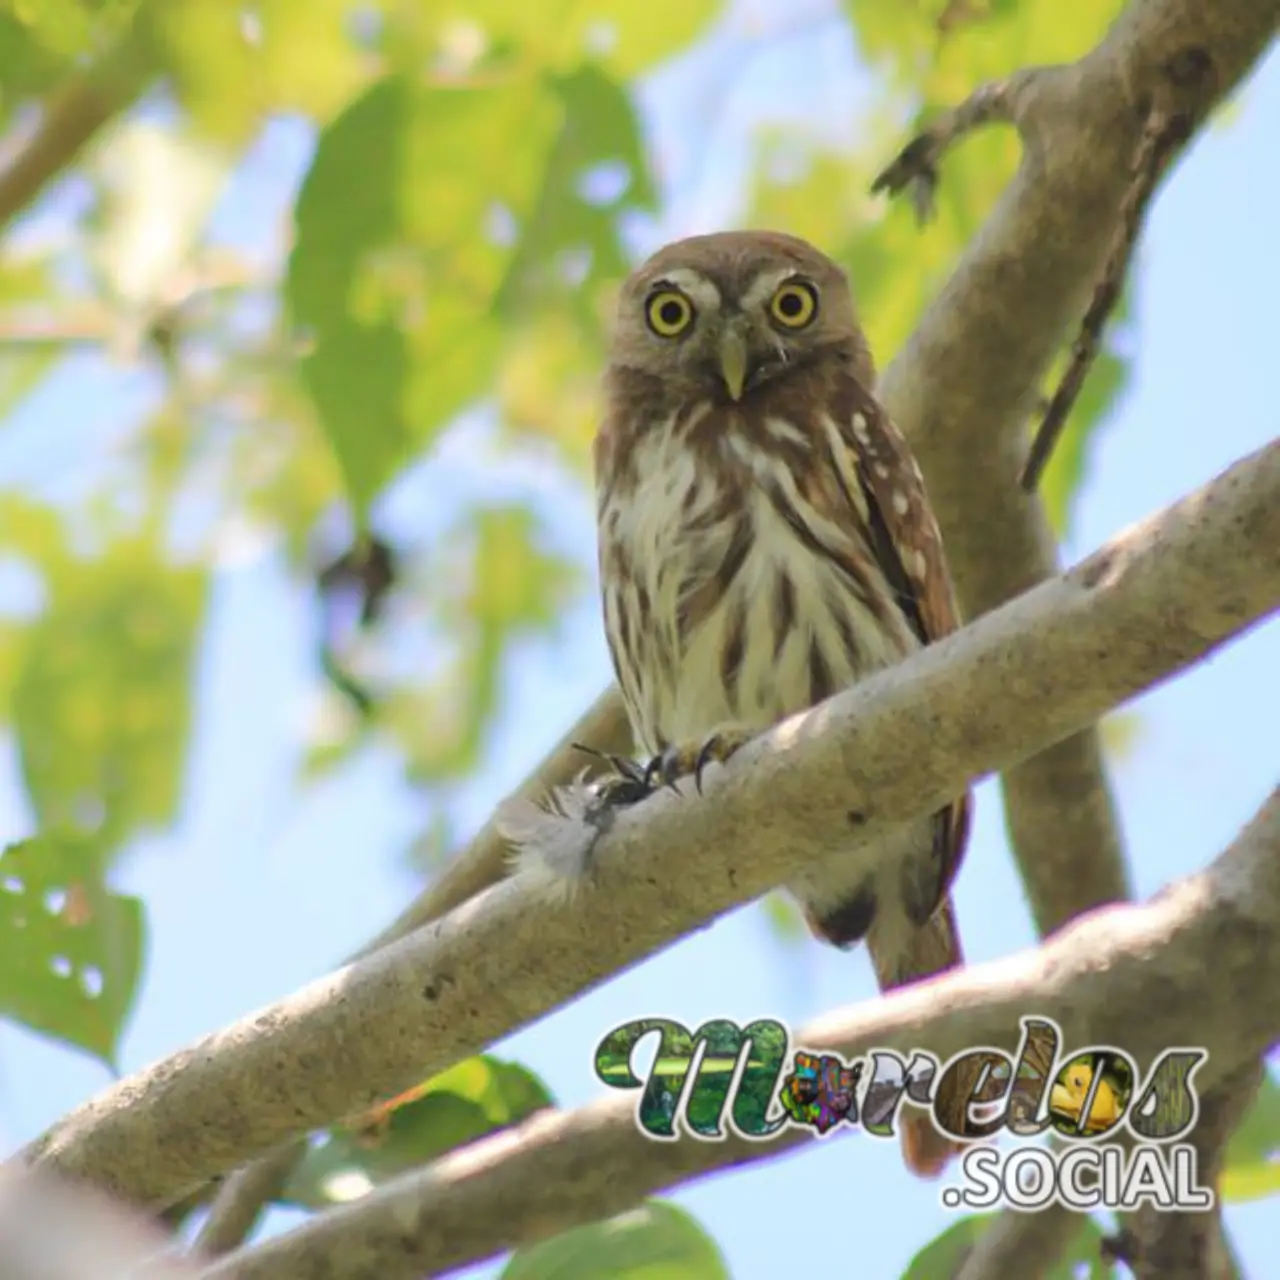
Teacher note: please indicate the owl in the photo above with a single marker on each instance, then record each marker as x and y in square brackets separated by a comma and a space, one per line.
[765, 541]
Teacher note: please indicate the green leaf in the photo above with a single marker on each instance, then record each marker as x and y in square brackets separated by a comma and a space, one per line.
[942, 1256]
[630, 36]
[420, 232]
[1252, 1166]
[394, 269]
[70, 28]
[1122, 733]
[356, 367]
[471, 1099]
[70, 950]
[784, 917]
[27, 64]
[102, 698]
[597, 172]
[233, 65]
[657, 1241]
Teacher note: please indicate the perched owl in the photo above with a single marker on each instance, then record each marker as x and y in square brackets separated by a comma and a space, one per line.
[765, 541]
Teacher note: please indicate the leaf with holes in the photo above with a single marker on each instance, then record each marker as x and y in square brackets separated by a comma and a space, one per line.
[1252, 1166]
[102, 697]
[657, 1241]
[597, 174]
[471, 1099]
[70, 949]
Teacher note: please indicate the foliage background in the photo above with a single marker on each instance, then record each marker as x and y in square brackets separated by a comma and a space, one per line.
[344, 262]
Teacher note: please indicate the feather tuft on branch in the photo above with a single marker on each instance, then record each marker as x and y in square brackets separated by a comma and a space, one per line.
[553, 842]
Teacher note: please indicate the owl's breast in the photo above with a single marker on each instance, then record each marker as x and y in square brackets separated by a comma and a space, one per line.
[717, 608]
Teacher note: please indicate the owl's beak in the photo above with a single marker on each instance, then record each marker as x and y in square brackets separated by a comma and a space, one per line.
[733, 361]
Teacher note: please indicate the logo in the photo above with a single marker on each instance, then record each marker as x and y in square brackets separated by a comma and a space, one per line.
[1118, 1133]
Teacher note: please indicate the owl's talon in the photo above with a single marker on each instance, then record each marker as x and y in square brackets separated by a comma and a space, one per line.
[633, 781]
[621, 765]
[690, 759]
[720, 747]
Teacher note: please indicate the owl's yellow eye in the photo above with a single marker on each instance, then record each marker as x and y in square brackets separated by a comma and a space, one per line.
[669, 313]
[794, 305]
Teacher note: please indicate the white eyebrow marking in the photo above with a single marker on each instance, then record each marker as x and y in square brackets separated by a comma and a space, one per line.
[704, 293]
[763, 285]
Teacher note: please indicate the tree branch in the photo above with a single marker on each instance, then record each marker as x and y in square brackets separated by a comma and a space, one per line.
[838, 778]
[1140, 977]
[1194, 1246]
[69, 119]
[240, 1201]
[964, 385]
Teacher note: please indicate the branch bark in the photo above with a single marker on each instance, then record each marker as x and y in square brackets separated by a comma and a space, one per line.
[1161, 596]
[1141, 977]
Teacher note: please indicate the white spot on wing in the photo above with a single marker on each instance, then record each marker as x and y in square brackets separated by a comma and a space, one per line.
[900, 503]
[860, 429]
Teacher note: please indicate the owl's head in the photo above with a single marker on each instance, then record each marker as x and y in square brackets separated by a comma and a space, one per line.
[727, 314]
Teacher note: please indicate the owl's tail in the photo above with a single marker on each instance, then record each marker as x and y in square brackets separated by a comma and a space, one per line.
[922, 953]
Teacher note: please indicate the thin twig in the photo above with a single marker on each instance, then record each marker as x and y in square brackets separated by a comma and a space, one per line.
[916, 165]
[1164, 131]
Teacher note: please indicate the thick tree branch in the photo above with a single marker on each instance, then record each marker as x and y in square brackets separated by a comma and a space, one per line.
[1161, 596]
[1141, 977]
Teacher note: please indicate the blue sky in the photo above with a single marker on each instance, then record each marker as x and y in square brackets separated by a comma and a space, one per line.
[263, 885]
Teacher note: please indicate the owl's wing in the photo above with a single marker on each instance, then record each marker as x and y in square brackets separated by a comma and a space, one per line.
[892, 501]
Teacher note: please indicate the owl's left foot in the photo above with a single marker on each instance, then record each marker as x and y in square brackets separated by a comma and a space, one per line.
[689, 759]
